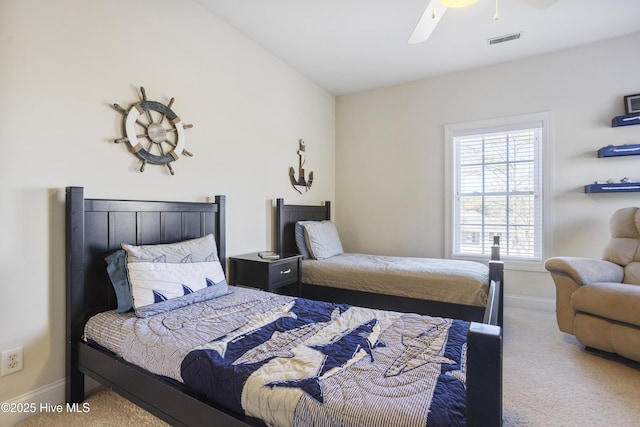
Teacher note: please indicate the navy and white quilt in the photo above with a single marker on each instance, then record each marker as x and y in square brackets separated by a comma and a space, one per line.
[296, 362]
[308, 363]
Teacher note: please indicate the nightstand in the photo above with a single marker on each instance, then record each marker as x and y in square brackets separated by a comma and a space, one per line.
[266, 274]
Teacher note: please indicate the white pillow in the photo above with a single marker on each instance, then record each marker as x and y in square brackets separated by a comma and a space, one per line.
[322, 239]
[157, 287]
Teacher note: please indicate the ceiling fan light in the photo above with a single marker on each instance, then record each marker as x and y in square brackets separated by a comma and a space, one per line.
[457, 3]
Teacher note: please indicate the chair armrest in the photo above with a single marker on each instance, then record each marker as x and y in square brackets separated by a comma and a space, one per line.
[586, 270]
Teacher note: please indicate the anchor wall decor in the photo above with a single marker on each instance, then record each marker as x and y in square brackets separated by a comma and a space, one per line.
[301, 182]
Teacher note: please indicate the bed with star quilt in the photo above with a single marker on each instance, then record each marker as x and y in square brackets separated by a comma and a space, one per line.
[296, 362]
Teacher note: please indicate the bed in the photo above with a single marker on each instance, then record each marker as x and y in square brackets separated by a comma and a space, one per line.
[96, 227]
[449, 288]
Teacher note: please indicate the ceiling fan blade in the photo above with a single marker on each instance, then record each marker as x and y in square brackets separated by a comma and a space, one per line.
[428, 22]
[540, 4]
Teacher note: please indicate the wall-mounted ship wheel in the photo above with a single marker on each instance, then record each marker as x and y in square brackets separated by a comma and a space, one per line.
[153, 132]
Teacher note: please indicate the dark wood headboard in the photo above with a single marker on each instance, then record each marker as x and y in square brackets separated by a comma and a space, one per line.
[286, 218]
[95, 227]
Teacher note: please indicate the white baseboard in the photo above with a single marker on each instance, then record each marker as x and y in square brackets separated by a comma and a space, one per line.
[544, 304]
[32, 403]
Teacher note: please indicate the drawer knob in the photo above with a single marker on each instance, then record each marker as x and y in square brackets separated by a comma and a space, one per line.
[285, 271]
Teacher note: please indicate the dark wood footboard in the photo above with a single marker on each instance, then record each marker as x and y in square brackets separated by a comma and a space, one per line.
[484, 375]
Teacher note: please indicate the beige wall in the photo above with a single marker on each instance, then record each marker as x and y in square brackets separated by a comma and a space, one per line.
[390, 152]
[62, 63]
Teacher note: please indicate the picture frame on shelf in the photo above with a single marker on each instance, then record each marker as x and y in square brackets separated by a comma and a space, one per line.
[632, 104]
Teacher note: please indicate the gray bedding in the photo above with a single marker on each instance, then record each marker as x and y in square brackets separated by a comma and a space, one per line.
[296, 362]
[445, 280]
[159, 343]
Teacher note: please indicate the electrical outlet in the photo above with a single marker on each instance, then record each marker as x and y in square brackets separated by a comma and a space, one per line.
[11, 361]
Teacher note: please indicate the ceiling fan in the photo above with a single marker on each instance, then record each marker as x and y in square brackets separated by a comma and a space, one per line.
[437, 8]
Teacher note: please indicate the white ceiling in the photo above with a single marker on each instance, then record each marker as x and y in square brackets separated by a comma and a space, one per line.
[348, 46]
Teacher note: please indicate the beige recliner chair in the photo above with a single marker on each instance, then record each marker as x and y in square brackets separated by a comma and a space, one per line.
[598, 301]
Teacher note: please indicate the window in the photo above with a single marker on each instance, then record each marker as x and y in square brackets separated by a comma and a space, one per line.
[497, 187]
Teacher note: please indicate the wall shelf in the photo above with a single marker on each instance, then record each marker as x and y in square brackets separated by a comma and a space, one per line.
[619, 150]
[627, 120]
[630, 187]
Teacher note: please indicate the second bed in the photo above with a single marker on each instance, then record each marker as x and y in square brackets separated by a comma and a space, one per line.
[443, 287]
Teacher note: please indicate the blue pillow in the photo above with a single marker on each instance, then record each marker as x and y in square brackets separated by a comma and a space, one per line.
[301, 242]
[117, 270]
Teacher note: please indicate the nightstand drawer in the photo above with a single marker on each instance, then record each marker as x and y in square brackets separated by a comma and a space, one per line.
[283, 273]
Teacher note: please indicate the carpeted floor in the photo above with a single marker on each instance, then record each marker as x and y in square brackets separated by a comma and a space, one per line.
[549, 380]
[105, 408]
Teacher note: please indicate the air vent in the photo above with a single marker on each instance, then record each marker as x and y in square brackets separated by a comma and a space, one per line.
[502, 39]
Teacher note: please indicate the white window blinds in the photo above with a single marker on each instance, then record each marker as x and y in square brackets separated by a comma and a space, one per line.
[497, 191]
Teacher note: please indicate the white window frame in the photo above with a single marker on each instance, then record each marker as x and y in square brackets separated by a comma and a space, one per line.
[490, 126]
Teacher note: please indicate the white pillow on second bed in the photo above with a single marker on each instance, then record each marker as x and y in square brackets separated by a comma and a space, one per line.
[322, 239]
